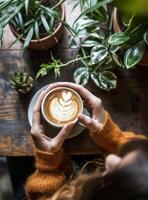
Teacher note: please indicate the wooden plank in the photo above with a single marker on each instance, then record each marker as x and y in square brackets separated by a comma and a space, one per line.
[127, 104]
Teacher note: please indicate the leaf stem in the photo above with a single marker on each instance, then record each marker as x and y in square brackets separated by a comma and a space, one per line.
[58, 4]
[74, 60]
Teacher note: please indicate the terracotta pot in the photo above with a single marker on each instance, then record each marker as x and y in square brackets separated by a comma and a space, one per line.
[116, 26]
[48, 41]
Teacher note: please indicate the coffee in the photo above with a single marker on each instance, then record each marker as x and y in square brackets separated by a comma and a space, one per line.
[61, 106]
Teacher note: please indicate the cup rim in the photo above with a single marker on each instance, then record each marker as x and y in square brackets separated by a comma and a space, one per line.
[43, 101]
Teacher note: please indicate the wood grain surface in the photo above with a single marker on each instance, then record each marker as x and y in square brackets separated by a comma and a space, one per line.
[128, 104]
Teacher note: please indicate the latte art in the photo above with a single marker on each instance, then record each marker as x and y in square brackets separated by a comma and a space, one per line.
[62, 106]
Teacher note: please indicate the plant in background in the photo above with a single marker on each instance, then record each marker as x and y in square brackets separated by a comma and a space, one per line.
[126, 47]
[100, 49]
[32, 19]
[131, 33]
[97, 56]
[22, 82]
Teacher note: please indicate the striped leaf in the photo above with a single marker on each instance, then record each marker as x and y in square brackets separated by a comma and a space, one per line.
[13, 14]
[118, 38]
[89, 43]
[36, 30]
[117, 60]
[145, 37]
[134, 55]
[27, 5]
[98, 53]
[94, 7]
[1, 35]
[45, 23]
[81, 76]
[28, 38]
[105, 80]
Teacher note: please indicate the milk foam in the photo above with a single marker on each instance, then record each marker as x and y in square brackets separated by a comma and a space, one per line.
[63, 108]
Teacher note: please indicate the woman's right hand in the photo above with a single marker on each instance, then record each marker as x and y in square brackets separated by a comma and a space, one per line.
[94, 123]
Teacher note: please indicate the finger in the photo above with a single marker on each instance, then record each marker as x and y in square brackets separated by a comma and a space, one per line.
[42, 95]
[63, 134]
[98, 112]
[37, 106]
[36, 119]
[37, 130]
[86, 95]
[91, 124]
[51, 86]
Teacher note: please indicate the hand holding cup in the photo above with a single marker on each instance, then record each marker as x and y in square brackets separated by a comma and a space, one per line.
[42, 142]
[93, 123]
[94, 103]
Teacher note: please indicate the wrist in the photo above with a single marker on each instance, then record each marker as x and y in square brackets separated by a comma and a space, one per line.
[46, 161]
[49, 150]
[102, 115]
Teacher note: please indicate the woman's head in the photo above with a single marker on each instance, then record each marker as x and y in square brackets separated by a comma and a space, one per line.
[125, 178]
[131, 153]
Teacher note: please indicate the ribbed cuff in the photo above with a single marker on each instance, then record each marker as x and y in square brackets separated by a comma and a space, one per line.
[109, 137]
[109, 126]
[49, 162]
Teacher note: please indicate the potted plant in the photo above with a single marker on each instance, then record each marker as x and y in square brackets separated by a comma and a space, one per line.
[100, 49]
[130, 23]
[98, 58]
[22, 82]
[37, 23]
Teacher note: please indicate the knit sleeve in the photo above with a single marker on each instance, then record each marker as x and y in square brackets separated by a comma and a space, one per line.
[52, 171]
[111, 138]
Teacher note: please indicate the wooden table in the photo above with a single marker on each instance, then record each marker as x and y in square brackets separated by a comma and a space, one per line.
[128, 104]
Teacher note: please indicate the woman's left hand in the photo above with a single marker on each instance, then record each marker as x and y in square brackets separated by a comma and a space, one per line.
[42, 142]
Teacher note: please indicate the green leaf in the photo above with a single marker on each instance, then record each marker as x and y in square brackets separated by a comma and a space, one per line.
[50, 11]
[20, 18]
[117, 60]
[99, 14]
[118, 38]
[81, 76]
[94, 7]
[105, 80]
[17, 39]
[45, 24]
[83, 23]
[29, 22]
[1, 35]
[27, 5]
[13, 14]
[134, 55]
[98, 53]
[4, 4]
[81, 2]
[58, 4]
[28, 38]
[114, 49]
[36, 30]
[98, 34]
[41, 73]
[89, 43]
[145, 37]
[135, 30]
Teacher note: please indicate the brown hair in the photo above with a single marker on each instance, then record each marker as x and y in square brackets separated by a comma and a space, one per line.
[127, 183]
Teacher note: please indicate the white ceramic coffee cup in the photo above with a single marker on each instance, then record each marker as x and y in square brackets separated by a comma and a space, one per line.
[48, 94]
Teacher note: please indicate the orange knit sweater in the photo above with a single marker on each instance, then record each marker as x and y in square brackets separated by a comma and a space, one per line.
[53, 170]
